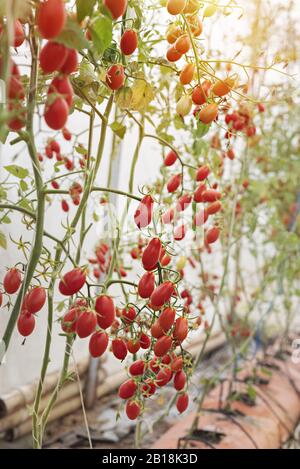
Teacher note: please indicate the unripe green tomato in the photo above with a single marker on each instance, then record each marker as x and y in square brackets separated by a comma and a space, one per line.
[184, 106]
[210, 10]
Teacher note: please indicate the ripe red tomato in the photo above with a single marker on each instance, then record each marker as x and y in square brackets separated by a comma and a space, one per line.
[143, 214]
[98, 344]
[26, 324]
[182, 402]
[72, 282]
[128, 315]
[213, 208]
[148, 388]
[68, 323]
[133, 410]
[202, 173]
[184, 202]
[162, 294]
[200, 93]
[15, 88]
[179, 380]
[163, 377]
[129, 42]
[35, 300]
[171, 158]
[183, 44]
[137, 368]
[177, 364]
[106, 311]
[151, 254]
[167, 318]
[70, 65]
[66, 134]
[145, 341]
[51, 18]
[156, 330]
[19, 35]
[133, 346]
[212, 235]
[62, 85]
[162, 346]
[52, 56]
[65, 205]
[86, 324]
[199, 193]
[174, 183]
[56, 114]
[181, 329]
[117, 8]
[211, 195]
[115, 77]
[146, 285]
[173, 55]
[119, 349]
[12, 281]
[127, 389]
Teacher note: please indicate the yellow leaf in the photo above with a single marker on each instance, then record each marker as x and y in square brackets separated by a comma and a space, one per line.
[124, 97]
[142, 95]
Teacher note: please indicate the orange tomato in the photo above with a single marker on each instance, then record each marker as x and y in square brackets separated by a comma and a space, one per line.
[221, 88]
[196, 25]
[173, 33]
[175, 7]
[187, 74]
[183, 44]
[208, 113]
[200, 93]
[173, 55]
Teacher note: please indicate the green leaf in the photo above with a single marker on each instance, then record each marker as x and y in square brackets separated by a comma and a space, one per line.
[84, 8]
[4, 131]
[202, 129]
[119, 129]
[3, 242]
[102, 33]
[81, 150]
[23, 185]
[72, 36]
[25, 204]
[251, 392]
[6, 220]
[17, 171]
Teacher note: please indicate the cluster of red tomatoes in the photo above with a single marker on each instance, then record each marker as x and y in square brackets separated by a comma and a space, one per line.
[205, 95]
[101, 261]
[15, 88]
[33, 301]
[204, 194]
[160, 315]
[241, 120]
[55, 57]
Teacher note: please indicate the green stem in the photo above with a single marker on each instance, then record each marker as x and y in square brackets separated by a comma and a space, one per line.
[37, 244]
